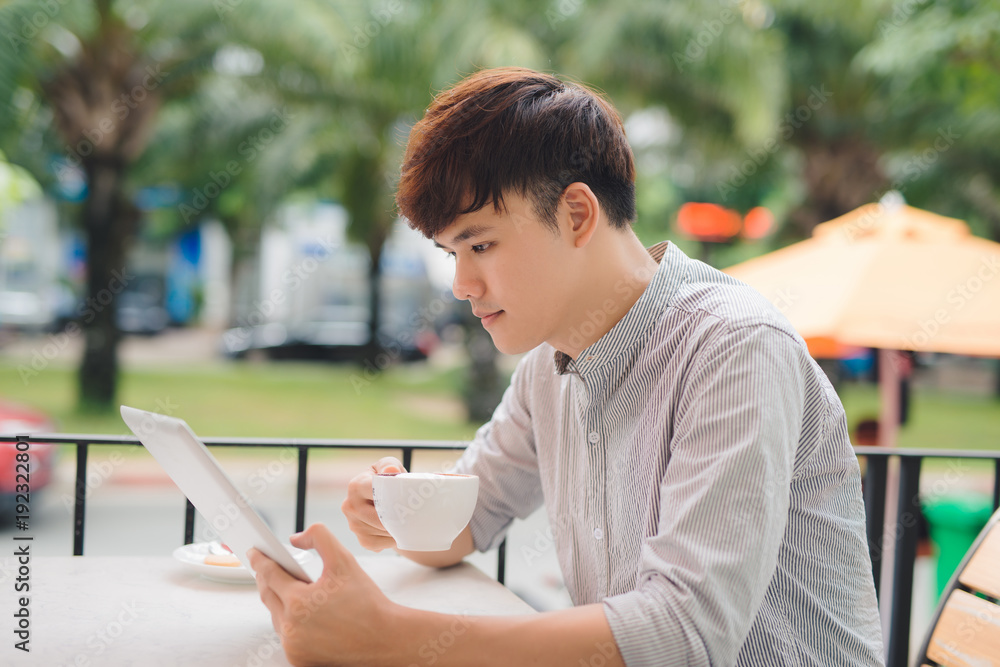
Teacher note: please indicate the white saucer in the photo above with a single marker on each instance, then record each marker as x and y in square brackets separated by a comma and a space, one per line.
[192, 556]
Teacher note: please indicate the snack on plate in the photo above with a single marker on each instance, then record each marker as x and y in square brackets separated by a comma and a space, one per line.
[224, 560]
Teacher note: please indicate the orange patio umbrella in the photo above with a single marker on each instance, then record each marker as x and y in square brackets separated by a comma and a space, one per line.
[889, 276]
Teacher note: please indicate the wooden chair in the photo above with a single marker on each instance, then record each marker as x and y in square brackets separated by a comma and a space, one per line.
[966, 627]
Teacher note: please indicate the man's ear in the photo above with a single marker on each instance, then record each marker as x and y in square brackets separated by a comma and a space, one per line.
[579, 212]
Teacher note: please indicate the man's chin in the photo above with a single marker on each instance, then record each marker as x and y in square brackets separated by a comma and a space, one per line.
[509, 347]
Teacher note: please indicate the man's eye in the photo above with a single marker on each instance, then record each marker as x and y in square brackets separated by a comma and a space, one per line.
[477, 249]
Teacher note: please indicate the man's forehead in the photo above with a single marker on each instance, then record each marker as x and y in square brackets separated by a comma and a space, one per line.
[515, 209]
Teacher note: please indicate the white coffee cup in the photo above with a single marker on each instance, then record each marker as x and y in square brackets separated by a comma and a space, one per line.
[424, 511]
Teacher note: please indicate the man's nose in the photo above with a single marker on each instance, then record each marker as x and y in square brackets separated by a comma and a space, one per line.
[466, 284]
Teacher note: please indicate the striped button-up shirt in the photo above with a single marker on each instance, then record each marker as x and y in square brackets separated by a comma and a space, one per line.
[697, 473]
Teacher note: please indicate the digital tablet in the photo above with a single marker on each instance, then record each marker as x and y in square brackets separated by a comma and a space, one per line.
[200, 477]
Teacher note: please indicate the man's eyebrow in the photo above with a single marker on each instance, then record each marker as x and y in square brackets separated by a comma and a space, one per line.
[466, 234]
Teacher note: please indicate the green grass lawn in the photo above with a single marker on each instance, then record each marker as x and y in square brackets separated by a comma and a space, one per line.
[265, 400]
[410, 401]
[937, 419]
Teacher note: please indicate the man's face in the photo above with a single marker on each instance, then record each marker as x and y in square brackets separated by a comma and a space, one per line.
[515, 271]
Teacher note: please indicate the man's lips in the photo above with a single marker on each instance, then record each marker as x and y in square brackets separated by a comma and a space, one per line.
[488, 318]
[485, 313]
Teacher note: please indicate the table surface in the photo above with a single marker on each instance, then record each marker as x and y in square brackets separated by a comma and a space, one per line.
[94, 610]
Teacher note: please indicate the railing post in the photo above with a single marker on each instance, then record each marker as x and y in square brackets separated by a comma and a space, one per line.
[996, 485]
[300, 490]
[904, 557]
[502, 561]
[79, 509]
[875, 479]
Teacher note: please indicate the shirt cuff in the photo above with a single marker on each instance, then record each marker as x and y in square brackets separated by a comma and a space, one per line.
[649, 634]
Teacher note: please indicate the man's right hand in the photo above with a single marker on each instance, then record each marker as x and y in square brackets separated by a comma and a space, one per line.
[359, 507]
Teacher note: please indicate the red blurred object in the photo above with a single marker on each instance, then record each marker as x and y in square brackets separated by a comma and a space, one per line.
[708, 222]
[758, 223]
[427, 341]
[20, 420]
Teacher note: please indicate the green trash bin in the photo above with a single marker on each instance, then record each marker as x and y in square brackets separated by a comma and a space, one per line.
[954, 522]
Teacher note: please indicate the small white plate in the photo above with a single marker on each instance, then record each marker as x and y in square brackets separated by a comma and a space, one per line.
[192, 556]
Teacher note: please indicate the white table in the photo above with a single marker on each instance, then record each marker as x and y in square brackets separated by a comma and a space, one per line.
[110, 612]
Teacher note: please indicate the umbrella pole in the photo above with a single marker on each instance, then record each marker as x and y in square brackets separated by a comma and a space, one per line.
[889, 395]
[890, 375]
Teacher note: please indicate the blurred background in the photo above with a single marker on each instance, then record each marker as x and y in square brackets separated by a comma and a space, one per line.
[196, 210]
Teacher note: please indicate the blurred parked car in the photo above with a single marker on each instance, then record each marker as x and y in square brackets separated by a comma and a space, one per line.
[141, 306]
[24, 310]
[332, 333]
[20, 420]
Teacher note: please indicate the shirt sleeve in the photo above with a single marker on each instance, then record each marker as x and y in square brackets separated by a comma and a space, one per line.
[503, 456]
[724, 501]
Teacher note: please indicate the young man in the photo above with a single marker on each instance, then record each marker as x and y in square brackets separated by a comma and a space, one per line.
[693, 459]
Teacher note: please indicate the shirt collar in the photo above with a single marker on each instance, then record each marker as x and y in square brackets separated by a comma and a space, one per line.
[631, 329]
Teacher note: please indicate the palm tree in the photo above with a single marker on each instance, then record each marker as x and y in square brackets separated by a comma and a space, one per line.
[102, 79]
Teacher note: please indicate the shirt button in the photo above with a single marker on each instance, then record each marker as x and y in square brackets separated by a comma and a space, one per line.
[593, 437]
[598, 534]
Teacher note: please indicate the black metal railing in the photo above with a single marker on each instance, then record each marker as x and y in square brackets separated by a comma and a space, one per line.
[84, 442]
[904, 533]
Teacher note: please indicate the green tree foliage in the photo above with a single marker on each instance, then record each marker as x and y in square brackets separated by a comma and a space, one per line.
[809, 108]
[369, 70]
[941, 65]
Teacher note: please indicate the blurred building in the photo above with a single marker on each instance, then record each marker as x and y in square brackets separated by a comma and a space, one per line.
[31, 293]
[306, 294]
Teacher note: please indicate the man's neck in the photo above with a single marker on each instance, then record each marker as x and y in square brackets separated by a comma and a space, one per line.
[616, 277]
